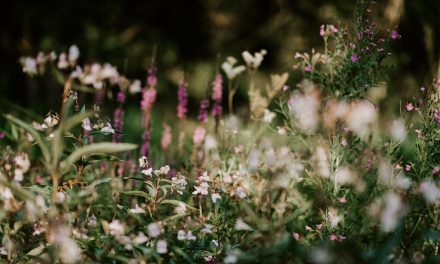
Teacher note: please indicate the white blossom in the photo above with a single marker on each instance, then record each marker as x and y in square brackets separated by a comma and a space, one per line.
[154, 229]
[230, 70]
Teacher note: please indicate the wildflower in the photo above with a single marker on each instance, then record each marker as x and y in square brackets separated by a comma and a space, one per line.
[62, 61]
[268, 116]
[419, 133]
[29, 65]
[296, 236]
[308, 68]
[398, 130]
[143, 162]
[202, 189]
[254, 62]
[182, 97]
[73, 54]
[51, 120]
[107, 129]
[230, 70]
[92, 221]
[391, 212]
[240, 225]
[181, 235]
[231, 257]
[430, 191]
[217, 96]
[240, 192]
[154, 229]
[116, 228]
[199, 135]
[215, 197]
[152, 76]
[407, 167]
[60, 197]
[141, 238]
[135, 87]
[207, 229]
[435, 170]
[395, 35]
[203, 112]
[166, 137]
[148, 99]
[180, 209]
[137, 210]
[360, 117]
[86, 124]
[436, 116]
[354, 58]
[179, 182]
[409, 107]
[161, 246]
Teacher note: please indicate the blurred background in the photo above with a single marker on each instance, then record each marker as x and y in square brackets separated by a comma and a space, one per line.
[192, 35]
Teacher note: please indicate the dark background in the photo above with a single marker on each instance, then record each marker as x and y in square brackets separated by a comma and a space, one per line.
[191, 34]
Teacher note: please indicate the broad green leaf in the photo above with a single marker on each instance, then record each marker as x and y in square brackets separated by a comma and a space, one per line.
[97, 148]
[35, 135]
[138, 193]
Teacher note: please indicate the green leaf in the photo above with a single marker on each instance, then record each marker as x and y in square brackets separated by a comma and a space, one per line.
[35, 135]
[138, 193]
[176, 203]
[98, 148]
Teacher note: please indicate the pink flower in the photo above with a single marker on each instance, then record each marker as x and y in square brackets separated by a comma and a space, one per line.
[199, 135]
[407, 167]
[182, 97]
[333, 237]
[308, 68]
[436, 170]
[148, 99]
[322, 31]
[343, 200]
[395, 35]
[296, 236]
[167, 137]
[354, 58]
[409, 107]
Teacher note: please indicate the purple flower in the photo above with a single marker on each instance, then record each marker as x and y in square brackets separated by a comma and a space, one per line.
[120, 97]
[217, 96]
[436, 116]
[203, 112]
[2, 134]
[354, 58]
[395, 35]
[182, 97]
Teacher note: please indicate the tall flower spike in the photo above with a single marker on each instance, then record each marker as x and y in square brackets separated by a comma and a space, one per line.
[182, 97]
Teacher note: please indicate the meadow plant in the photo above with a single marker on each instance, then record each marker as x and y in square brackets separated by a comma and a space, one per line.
[314, 174]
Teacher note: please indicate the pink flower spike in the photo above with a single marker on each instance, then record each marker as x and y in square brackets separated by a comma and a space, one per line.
[322, 31]
[409, 107]
[395, 35]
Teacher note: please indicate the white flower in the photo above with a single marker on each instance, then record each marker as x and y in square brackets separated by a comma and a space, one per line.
[154, 229]
[268, 116]
[73, 54]
[60, 197]
[51, 120]
[179, 182]
[29, 65]
[392, 212]
[430, 191]
[207, 229]
[108, 129]
[147, 172]
[6, 194]
[305, 109]
[190, 236]
[398, 130]
[92, 221]
[137, 210]
[62, 61]
[18, 175]
[361, 116]
[86, 124]
[165, 169]
[135, 87]
[116, 228]
[253, 62]
[240, 192]
[161, 246]
[202, 189]
[143, 162]
[241, 225]
[181, 235]
[215, 197]
[231, 257]
[141, 238]
[205, 177]
[180, 209]
[230, 70]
